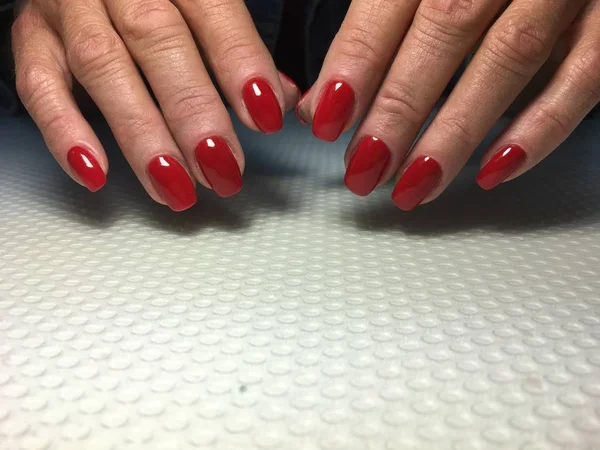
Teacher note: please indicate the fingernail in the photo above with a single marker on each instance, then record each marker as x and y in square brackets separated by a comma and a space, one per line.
[172, 182]
[367, 165]
[86, 168]
[417, 182]
[263, 105]
[297, 109]
[502, 165]
[219, 166]
[334, 111]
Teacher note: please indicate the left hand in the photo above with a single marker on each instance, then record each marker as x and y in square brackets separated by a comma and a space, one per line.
[392, 60]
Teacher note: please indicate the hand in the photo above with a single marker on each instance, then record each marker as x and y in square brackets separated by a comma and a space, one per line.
[392, 60]
[101, 43]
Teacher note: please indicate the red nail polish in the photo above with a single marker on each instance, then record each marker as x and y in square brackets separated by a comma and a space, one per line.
[172, 182]
[297, 109]
[219, 166]
[367, 165]
[421, 177]
[263, 105]
[87, 168]
[502, 165]
[334, 111]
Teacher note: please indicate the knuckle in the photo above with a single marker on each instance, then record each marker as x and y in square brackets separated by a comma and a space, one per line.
[521, 43]
[34, 82]
[43, 96]
[232, 48]
[191, 104]
[396, 101]
[457, 127]
[550, 115]
[360, 44]
[57, 122]
[137, 125]
[362, 41]
[453, 18]
[93, 48]
[148, 20]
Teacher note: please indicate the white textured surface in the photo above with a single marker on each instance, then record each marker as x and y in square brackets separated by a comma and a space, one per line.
[296, 316]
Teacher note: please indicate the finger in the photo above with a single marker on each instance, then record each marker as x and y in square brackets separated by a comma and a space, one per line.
[553, 115]
[291, 92]
[355, 64]
[513, 51]
[441, 36]
[160, 42]
[239, 59]
[101, 63]
[43, 84]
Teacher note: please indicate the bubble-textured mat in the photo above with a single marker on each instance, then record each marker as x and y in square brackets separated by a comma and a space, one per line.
[295, 315]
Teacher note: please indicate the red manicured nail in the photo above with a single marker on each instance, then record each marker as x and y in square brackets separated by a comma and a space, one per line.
[219, 166]
[334, 111]
[172, 182]
[87, 168]
[263, 105]
[367, 165]
[421, 177]
[502, 165]
[297, 109]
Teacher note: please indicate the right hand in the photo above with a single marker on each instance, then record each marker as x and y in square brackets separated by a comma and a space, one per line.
[101, 43]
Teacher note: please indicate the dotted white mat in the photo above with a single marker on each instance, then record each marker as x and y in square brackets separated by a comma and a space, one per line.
[296, 316]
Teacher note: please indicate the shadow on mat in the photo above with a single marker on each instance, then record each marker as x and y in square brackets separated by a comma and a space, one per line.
[554, 194]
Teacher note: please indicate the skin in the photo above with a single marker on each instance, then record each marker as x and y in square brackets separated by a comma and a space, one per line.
[399, 56]
[107, 45]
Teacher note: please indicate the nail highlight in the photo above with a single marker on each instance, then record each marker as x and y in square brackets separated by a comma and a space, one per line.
[417, 182]
[172, 182]
[219, 166]
[367, 165]
[263, 105]
[334, 111]
[87, 168]
[502, 165]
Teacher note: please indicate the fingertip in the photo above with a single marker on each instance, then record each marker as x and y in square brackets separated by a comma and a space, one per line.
[504, 163]
[291, 91]
[86, 168]
[301, 112]
[263, 105]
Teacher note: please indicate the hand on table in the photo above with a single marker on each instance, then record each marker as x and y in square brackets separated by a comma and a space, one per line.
[392, 60]
[189, 136]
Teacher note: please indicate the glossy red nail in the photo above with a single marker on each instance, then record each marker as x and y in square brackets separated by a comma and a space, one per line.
[367, 165]
[417, 182]
[172, 182]
[334, 111]
[219, 166]
[263, 105]
[86, 168]
[502, 165]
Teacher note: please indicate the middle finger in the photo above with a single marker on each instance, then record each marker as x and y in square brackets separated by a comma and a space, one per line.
[162, 45]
